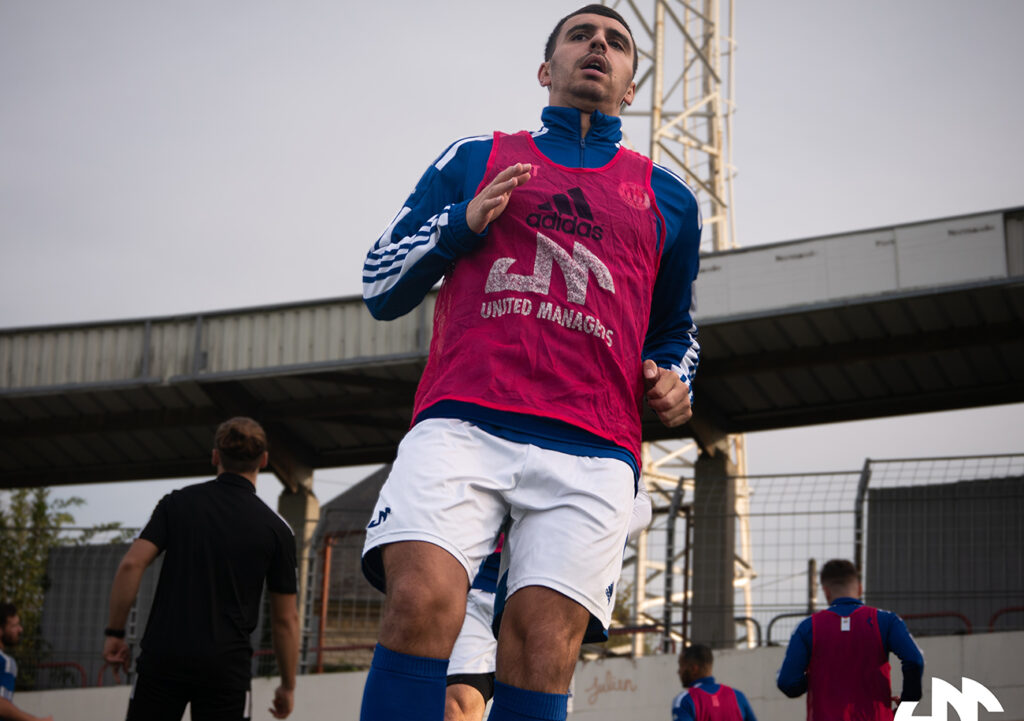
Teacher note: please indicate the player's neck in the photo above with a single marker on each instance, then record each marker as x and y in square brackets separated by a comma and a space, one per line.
[584, 123]
[247, 475]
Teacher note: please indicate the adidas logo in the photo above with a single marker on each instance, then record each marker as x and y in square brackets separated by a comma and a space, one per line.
[558, 215]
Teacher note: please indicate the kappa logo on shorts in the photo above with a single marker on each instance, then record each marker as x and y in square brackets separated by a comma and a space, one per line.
[608, 591]
[381, 517]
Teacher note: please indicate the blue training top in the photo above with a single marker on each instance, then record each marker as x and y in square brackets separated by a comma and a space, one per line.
[8, 673]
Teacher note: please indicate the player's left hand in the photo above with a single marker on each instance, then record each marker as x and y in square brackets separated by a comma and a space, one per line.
[116, 652]
[667, 394]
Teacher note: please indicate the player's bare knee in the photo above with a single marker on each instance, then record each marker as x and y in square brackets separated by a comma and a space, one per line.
[546, 633]
[453, 710]
[541, 615]
[416, 605]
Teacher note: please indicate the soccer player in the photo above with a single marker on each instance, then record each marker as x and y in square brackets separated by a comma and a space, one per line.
[10, 635]
[220, 544]
[704, 699]
[568, 264]
[840, 656]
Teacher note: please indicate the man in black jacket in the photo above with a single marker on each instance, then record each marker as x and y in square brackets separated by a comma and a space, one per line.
[220, 543]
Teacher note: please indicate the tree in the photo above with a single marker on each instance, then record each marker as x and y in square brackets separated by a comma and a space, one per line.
[31, 523]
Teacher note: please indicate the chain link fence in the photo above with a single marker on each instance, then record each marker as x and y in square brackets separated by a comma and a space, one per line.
[939, 541]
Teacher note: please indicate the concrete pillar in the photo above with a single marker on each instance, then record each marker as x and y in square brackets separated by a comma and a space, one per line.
[301, 509]
[714, 551]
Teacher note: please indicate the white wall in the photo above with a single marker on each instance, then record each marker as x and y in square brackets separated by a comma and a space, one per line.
[617, 689]
[875, 262]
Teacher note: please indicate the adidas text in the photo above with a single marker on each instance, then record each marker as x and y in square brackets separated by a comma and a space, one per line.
[566, 224]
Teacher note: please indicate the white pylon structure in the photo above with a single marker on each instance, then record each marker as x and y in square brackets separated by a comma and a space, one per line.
[682, 116]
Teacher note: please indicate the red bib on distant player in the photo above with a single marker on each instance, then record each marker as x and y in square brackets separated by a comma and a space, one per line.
[719, 706]
[848, 677]
[548, 315]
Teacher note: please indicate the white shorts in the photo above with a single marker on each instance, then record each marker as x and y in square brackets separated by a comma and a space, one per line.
[453, 485]
[475, 647]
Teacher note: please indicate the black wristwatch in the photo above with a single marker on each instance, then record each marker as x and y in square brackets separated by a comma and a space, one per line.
[114, 632]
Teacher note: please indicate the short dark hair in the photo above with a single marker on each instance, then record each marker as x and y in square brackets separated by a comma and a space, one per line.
[603, 10]
[838, 572]
[699, 654]
[241, 442]
[6, 611]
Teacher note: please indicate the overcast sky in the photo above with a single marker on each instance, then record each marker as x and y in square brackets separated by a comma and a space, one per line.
[169, 158]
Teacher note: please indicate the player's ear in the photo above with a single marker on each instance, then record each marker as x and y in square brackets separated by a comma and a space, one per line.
[630, 95]
[544, 74]
[264, 459]
[215, 458]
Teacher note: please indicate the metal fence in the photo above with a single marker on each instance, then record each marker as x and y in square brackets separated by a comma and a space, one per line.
[940, 541]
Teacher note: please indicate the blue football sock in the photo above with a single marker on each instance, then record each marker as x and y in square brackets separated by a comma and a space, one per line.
[400, 686]
[517, 704]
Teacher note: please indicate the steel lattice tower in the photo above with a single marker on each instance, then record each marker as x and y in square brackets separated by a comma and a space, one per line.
[682, 117]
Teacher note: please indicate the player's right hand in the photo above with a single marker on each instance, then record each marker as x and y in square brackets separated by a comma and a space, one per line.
[284, 700]
[491, 202]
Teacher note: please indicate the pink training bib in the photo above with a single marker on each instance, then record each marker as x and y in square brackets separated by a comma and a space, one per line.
[719, 706]
[548, 315]
[848, 677]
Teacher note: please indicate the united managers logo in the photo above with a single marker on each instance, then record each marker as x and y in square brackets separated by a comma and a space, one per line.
[965, 702]
[576, 269]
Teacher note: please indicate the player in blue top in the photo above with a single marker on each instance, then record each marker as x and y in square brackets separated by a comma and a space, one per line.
[10, 635]
[841, 655]
[541, 358]
[704, 699]
[432, 231]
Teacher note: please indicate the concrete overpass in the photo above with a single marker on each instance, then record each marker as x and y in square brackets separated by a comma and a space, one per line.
[905, 319]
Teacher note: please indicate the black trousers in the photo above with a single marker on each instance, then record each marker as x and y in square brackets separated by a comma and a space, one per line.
[160, 699]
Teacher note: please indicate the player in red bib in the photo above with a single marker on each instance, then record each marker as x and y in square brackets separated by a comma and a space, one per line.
[704, 699]
[567, 265]
[840, 656]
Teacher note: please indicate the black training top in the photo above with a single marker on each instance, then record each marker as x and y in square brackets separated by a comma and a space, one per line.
[220, 542]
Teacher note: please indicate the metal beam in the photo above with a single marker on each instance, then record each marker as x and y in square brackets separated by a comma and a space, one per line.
[861, 351]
